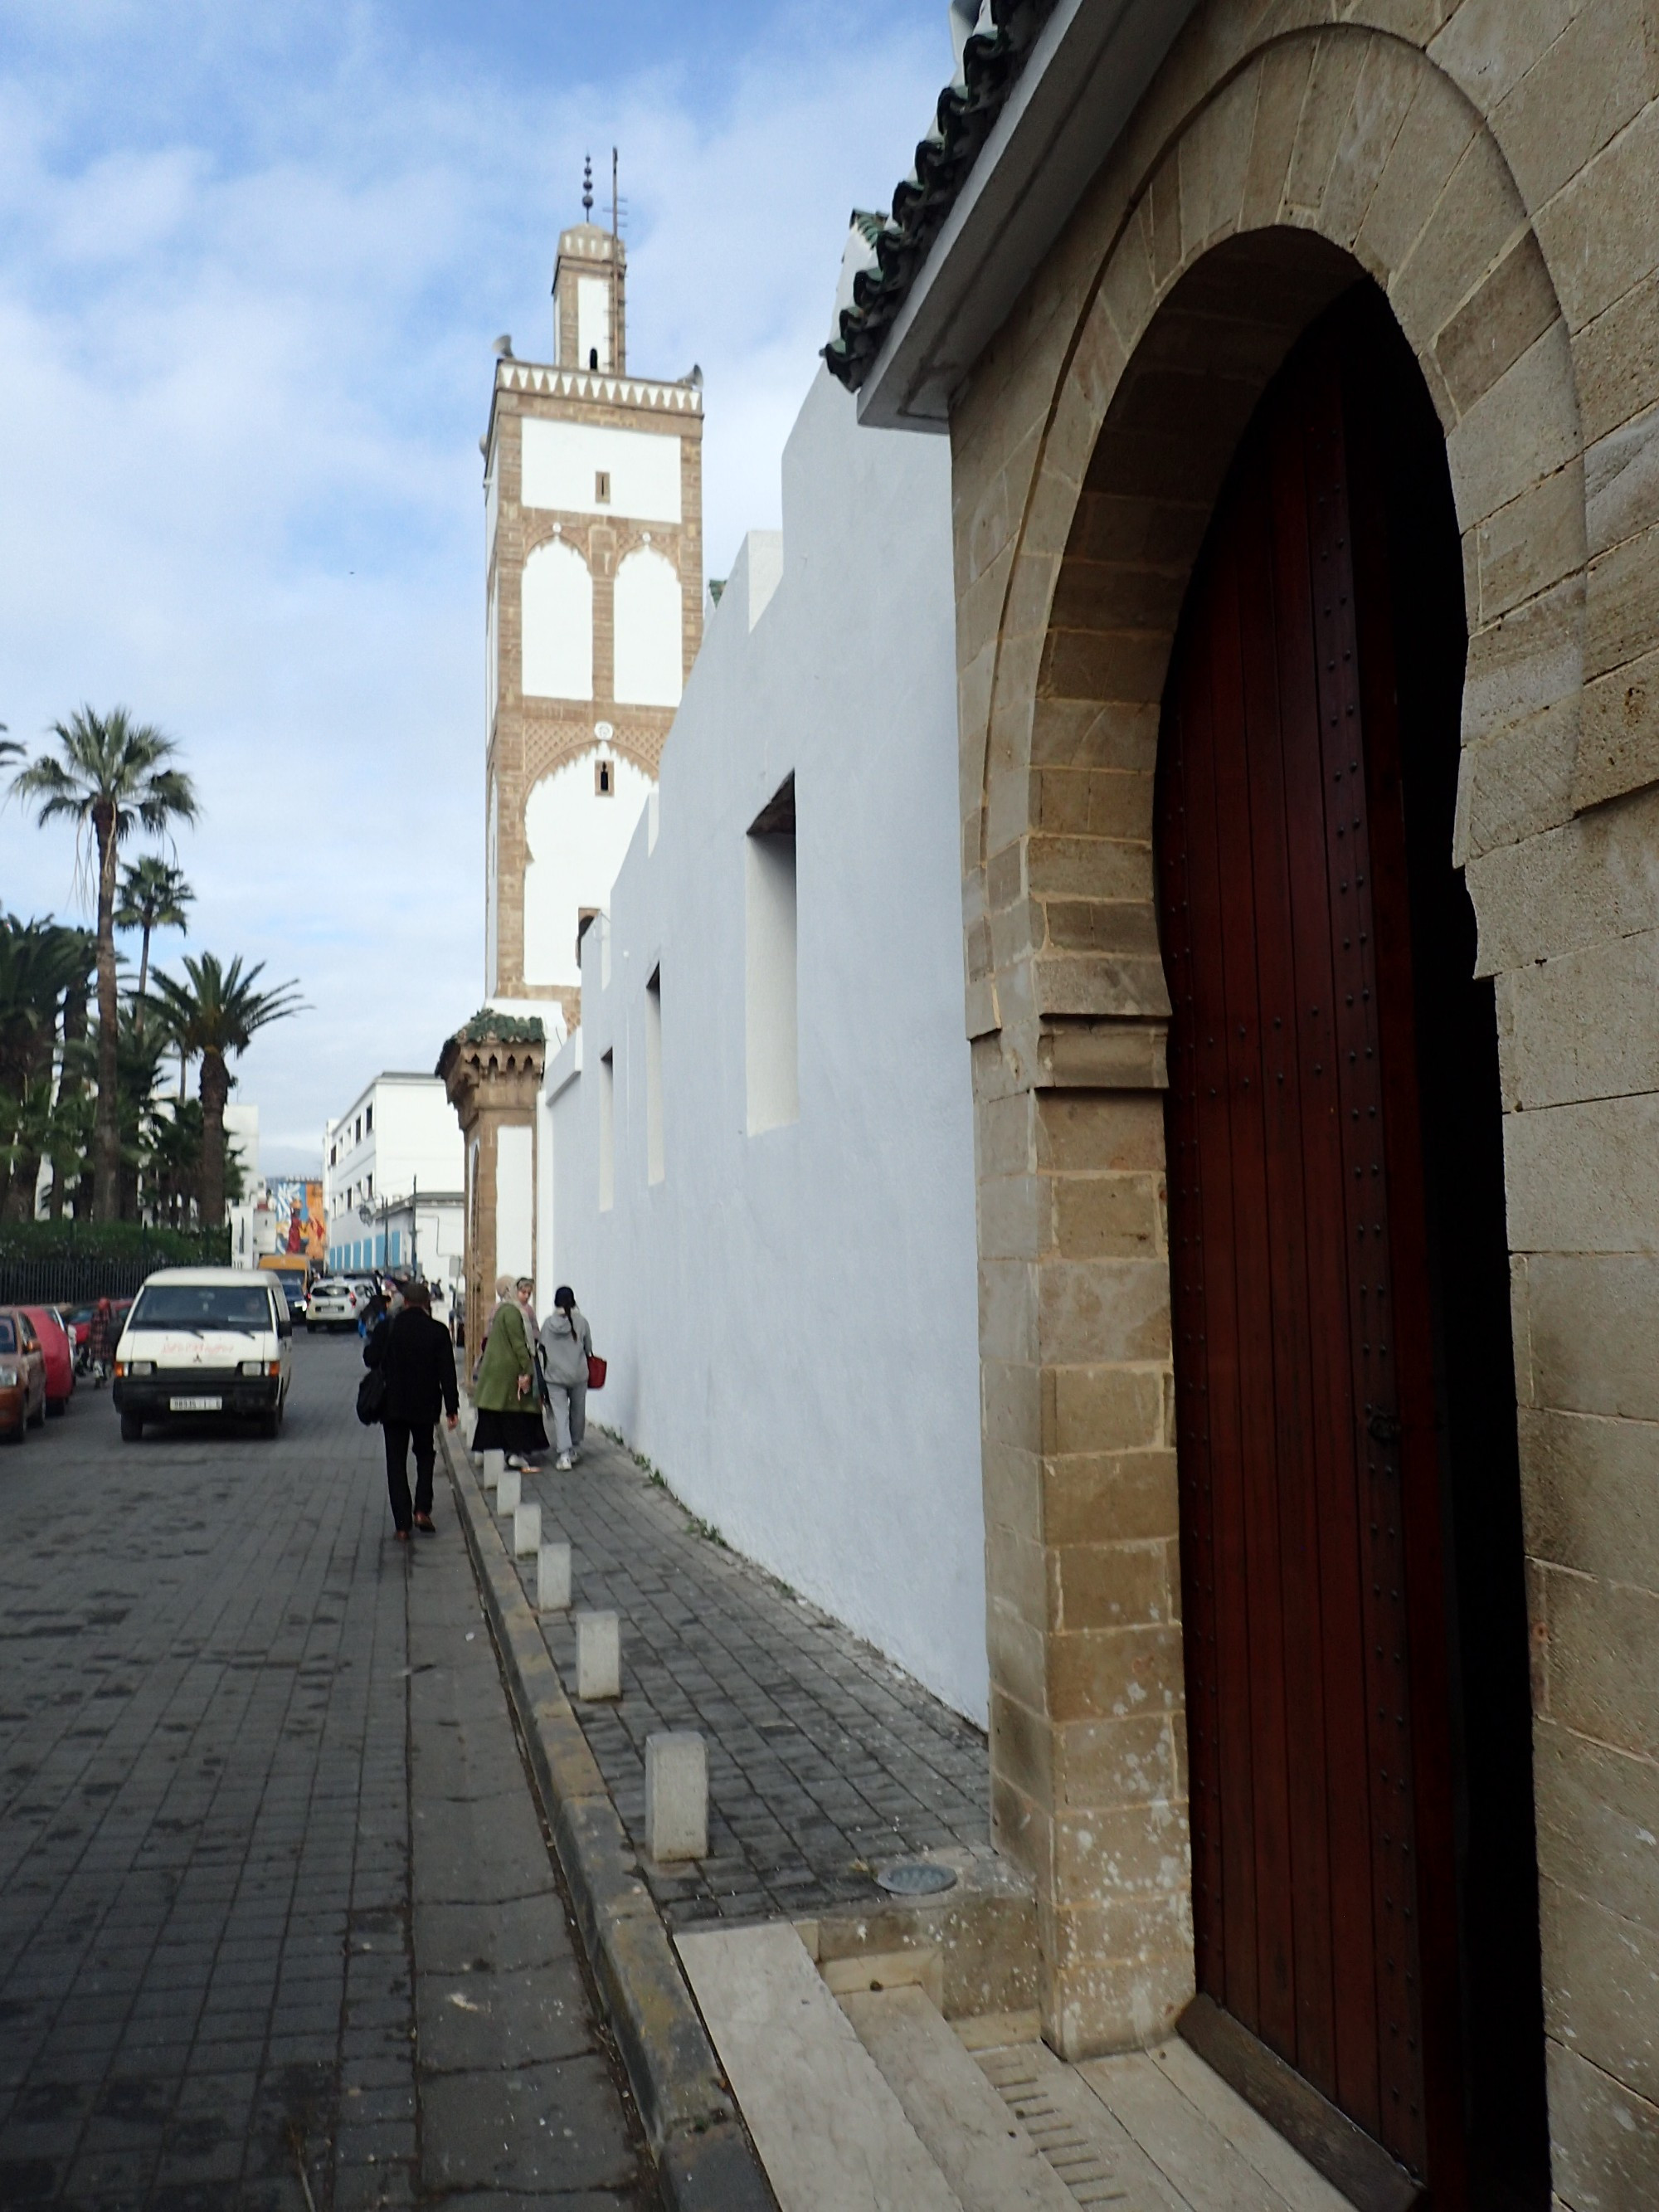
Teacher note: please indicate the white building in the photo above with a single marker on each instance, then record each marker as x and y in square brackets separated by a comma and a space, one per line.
[755, 1155]
[396, 1144]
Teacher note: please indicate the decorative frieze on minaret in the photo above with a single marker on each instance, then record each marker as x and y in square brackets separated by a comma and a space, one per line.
[593, 612]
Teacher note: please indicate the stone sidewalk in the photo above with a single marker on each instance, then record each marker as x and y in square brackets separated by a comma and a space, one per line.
[824, 1761]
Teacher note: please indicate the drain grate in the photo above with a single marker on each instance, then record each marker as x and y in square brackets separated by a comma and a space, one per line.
[1014, 2075]
[915, 1878]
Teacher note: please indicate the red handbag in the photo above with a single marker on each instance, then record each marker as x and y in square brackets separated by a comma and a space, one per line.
[596, 1371]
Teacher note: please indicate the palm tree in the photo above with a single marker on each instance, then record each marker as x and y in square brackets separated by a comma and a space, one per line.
[153, 895]
[218, 1012]
[115, 775]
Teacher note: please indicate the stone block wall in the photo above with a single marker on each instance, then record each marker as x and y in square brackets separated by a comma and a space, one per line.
[1494, 166]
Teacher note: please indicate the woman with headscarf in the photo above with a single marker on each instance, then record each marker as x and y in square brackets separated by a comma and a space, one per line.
[505, 1392]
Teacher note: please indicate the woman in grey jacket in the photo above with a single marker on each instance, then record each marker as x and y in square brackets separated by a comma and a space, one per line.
[565, 1342]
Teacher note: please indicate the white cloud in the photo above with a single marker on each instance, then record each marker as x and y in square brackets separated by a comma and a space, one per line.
[243, 367]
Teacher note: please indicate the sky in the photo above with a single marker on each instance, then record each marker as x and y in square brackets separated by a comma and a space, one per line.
[253, 262]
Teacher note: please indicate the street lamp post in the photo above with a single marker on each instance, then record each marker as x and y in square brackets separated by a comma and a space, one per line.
[366, 1215]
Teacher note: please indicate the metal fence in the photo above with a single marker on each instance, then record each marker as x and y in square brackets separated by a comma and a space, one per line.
[70, 1277]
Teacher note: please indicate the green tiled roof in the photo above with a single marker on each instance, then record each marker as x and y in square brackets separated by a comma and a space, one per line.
[968, 106]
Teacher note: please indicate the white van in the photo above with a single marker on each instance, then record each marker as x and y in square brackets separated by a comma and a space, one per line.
[206, 1341]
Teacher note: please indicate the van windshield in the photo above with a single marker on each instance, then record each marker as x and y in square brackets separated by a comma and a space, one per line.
[203, 1306]
[8, 1333]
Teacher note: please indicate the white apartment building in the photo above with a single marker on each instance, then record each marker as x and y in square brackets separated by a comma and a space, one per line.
[392, 1179]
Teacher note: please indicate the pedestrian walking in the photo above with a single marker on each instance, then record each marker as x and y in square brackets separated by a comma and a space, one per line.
[417, 1364]
[101, 1342]
[503, 1393]
[566, 1344]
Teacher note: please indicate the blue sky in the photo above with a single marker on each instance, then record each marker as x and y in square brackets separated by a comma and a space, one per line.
[252, 262]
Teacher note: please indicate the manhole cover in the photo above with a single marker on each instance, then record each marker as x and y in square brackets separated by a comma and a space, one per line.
[915, 1878]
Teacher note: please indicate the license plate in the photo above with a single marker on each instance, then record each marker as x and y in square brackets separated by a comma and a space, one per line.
[195, 1405]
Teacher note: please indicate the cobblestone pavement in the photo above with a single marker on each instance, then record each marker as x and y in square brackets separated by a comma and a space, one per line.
[224, 1911]
[824, 1760]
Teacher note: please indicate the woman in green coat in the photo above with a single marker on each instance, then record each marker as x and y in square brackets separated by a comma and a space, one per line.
[505, 1394]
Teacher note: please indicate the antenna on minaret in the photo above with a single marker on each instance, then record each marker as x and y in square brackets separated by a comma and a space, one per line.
[588, 184]
[618, 325]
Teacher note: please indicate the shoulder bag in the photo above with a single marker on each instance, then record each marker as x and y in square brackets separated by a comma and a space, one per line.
[371, 1398]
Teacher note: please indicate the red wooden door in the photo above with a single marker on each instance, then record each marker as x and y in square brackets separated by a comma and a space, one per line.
[1313, 1601]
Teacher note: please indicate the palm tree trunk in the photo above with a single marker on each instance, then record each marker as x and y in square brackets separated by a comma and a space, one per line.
[143, 975]
[216, 1090]
[106, 1143]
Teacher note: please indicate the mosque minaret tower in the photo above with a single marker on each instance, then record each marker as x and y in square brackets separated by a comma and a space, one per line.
[594, 611]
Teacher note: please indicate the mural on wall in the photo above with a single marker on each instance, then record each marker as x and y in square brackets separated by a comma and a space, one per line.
[298, 1206]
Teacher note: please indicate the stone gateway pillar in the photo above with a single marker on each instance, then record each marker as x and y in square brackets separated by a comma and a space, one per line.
[492, 1071]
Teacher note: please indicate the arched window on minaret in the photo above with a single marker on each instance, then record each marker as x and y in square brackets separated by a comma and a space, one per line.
[557, 634]
[575, 841]
[650, 645]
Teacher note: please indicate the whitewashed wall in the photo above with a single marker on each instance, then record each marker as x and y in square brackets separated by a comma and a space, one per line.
[790, 1316]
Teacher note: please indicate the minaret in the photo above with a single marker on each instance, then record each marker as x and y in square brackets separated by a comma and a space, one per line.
[593, 599]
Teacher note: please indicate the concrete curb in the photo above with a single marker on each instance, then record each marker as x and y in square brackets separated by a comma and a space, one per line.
[705, 2162]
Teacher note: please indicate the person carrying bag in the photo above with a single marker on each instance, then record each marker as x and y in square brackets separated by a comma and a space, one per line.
[566, 1356]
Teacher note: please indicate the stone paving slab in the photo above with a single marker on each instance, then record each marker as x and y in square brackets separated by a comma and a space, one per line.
[824, 1761]
[226, 1695]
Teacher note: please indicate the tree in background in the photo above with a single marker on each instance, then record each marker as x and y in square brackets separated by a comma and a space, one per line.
[113, 775]
[42, 964]
[153, 895]
[217, 1012]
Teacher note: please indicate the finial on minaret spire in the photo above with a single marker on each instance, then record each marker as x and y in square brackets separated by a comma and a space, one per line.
[588, 184]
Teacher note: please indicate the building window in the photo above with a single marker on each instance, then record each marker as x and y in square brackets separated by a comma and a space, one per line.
[601, 487]
[654, 1157]
[368, 1119]
[602, 785]
[585, 917]
[770, 984]
[607, 1132]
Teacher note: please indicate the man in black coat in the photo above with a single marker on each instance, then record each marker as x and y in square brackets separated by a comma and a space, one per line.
[414, 1354]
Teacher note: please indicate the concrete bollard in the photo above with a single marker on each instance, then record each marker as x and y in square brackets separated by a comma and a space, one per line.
[490, 1473]
[527, 1531]
[508, 1491]
[676, 1796]
[553, 1577]
[599, 1656]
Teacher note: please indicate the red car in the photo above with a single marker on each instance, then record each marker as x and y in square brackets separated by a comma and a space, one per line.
[59, 1347]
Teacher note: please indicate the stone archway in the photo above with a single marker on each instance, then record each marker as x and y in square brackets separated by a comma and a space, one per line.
[1191, 277]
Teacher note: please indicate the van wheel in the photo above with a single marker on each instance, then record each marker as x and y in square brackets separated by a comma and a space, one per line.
[270, 1426]
[132, 1427]
[58, 1407]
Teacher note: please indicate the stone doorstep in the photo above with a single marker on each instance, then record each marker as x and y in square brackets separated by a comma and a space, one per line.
[706, 2161]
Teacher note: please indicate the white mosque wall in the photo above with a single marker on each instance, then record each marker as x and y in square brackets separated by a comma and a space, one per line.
[790, 1313]
[649, 631]
[575, 838]
[557, 604]
[562, 464]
